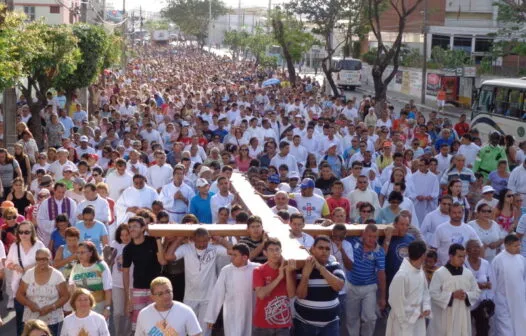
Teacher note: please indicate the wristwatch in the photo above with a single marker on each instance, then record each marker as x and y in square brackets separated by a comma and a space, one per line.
[108, 308]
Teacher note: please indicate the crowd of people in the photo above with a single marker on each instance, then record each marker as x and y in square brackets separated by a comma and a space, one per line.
[160, 146]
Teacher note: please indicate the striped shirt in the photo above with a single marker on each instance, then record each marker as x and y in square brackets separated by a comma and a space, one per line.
[366, 264]
[321, 305]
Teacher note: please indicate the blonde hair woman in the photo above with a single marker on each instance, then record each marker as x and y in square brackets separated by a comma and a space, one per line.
[36, 328]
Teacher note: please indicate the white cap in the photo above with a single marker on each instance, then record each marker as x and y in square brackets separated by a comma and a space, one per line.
[329, 145]
[487, 189]
[294, 174]
[201, 182]
[203, 170]
[84, 138]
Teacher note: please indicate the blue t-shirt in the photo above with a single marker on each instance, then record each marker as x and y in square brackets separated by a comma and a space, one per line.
[93, 234]
[58, 240]
[366, 264]
[396, 253]
[201, 208]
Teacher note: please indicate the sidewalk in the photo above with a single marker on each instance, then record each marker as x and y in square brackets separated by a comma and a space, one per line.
[392, 96]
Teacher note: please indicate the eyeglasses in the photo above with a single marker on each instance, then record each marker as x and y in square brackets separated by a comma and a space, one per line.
[24, 232]
[509, 195]
[10, 217]
[163, 293]
[42, 259]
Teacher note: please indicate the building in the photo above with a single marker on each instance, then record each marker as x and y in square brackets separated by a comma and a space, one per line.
[53, 11]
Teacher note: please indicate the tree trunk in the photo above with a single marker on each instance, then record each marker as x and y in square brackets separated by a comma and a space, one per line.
[380, 90]
[330, 80]
[35, 124]
[291, 69]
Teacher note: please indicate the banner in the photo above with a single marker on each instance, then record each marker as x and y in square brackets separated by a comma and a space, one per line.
[114, 15]
[432, 84]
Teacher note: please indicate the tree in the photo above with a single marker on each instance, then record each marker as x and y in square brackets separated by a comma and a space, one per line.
[328, 16]
[510, 39]
[192, 16]
[48, 55]
[10, 66]
[257, 45]
[92, 42]
[387, 54]
[236, 41]
[290, 34]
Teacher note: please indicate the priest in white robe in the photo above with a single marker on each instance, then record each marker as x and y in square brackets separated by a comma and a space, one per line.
[509, 285]
[427, 189]
[409, 295]
[453, 289]
[133, 198]
[233, 291]
[176, 195]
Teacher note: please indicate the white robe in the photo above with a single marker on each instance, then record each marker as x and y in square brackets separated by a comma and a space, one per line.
[454, 320]
[425, 185]
[408, 298]
[233, 290]
[509, 285]
[132, 197]
[176, 208]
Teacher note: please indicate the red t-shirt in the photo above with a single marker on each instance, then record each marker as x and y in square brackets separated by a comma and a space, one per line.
[342, 203]
[461, 128]
[272, 312]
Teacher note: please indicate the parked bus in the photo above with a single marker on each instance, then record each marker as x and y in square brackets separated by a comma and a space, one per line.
[350, 72]
[500, 106]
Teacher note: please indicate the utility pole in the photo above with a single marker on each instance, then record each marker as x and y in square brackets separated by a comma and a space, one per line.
[209, 25]
[424, 67]
[83, 12]
[9, 105]
[124, 24]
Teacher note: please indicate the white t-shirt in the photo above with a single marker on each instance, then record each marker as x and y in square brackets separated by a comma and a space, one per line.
[311, 207]
[28, 260]
[492, 235]
[116, 270]
[305, 240]
[2, 254]
[92, 325]
[181, 320]
[199, 269]
[447, 234]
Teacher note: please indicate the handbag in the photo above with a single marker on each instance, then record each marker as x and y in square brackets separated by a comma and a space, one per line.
[19, 256]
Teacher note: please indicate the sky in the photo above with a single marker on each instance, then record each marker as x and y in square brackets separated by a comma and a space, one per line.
[157, 5]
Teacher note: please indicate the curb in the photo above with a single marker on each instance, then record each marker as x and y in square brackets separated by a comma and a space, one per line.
[420, 106]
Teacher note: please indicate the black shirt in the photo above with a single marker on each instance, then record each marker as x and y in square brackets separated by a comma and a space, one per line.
[252, 244]
[144, 259]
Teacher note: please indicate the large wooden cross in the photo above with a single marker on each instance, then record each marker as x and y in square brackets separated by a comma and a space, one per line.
[271, 224]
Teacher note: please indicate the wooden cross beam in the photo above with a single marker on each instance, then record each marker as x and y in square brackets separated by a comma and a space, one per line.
[271, 224]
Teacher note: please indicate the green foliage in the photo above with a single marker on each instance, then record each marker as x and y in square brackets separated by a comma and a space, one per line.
[10, 65]
[48, 55]
[510, 39]
[237, 42]
[450, 58]
[258, 43]
[291, 35]
[370, 56]
[192, 16]
[93, 42]
[112, 54]
[411, 58]
[269, 61]
[152, 25]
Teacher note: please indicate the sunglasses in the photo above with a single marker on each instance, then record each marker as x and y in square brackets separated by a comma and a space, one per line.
[10, 217]
[24, 232]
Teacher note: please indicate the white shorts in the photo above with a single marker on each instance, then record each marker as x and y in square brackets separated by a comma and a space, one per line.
[441, 103]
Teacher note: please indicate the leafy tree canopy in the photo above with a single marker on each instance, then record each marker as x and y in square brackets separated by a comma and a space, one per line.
[192, 16]
[10, 66]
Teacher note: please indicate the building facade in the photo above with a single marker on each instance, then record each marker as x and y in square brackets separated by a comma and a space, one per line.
[53, 11]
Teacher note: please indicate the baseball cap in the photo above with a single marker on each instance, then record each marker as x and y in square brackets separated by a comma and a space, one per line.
[84, 138]
[273, 179]
[67, 168]
[204, 169]
[201, 182]
[388, 144]
[307, 183]
[487, 189]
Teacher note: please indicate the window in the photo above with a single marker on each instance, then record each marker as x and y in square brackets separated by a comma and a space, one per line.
[441, 41]
[516, 100]
[30, 12]
[483, 44]
[54, 9]
[462, 43]
[501, 101]
[350, 65]
[485, 100]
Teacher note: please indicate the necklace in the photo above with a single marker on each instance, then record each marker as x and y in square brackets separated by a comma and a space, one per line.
[164, 323]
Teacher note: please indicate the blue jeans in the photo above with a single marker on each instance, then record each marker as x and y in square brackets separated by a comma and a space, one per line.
[19, 311]
[303, 329]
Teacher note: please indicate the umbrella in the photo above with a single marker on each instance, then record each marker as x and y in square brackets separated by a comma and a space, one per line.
[271, 81]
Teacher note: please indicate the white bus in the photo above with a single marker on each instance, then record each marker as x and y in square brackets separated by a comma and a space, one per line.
[349, 74]
[501, 105]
